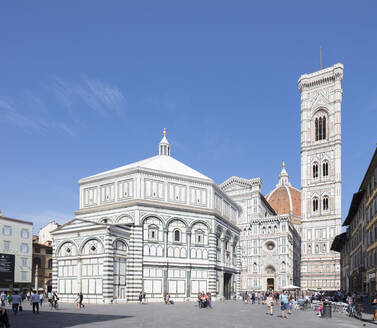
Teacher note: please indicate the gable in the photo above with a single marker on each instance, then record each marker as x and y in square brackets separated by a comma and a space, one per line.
[75, 224]
[320, 100]
[235, 186]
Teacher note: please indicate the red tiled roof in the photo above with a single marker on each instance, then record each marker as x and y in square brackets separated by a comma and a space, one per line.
[280, 202]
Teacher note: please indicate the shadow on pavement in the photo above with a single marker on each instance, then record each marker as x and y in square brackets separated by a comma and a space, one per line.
[56, 319]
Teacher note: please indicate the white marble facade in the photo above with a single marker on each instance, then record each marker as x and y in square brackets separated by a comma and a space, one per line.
[270, 243]
[155, 226]
[321, 98]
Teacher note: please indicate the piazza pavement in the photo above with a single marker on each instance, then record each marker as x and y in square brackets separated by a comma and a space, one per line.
[223, 315]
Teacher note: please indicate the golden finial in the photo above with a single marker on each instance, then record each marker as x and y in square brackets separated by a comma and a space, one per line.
[283, 165]
[164, 132]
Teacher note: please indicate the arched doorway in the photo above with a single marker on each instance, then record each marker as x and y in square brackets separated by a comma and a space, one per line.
[270, 270]
[227, 286]
[270, 283]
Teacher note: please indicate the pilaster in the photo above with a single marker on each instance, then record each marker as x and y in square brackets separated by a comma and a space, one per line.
[108, 269]
[135, 265]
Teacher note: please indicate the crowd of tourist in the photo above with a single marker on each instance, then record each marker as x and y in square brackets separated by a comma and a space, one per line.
[15, 300]
[205, 300]
[286, 300]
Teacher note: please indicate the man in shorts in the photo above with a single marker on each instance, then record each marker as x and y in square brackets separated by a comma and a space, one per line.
[284, 304]
[16, 302]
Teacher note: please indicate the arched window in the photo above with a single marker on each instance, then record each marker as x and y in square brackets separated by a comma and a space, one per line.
[325, 169]
[320, 128]
[199, 237]
[91, 247]
[283, 266]
[324, 248]
[255, 267]
[177, 235]
[309, 249]
[316, 129]
[315, 204]
[153, 232]
[315, 170]
[325, 204]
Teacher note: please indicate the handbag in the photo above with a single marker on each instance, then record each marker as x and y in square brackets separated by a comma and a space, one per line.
[20, 308]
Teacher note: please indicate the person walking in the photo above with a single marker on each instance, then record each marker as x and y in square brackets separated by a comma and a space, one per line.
[77, 301]
[4, 320]
[209, 300]
[41, 297]
[270, 303]
[167, 298]
[35, 301]
[81, 298]
[3, 298]
[16, 302]
[374, 303]
[140, 297]
[55, 300]
[284, 304]
[9, 298]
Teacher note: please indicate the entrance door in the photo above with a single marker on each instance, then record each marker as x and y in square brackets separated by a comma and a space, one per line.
[227, 285]
[270, 283]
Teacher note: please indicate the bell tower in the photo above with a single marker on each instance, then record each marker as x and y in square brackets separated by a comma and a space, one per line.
[321, 99]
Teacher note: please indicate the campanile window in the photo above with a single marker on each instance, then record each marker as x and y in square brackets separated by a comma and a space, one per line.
[315, 204]
[320, 128]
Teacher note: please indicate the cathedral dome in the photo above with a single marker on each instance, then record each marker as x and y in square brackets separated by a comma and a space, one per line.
[285, 199]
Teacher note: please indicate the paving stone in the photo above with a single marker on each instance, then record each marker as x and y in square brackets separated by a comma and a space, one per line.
[180, 315]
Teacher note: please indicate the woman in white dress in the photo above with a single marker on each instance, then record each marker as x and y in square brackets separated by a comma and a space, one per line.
[270, 303]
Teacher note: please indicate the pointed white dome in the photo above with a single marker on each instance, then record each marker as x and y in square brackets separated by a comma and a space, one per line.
[163, 163]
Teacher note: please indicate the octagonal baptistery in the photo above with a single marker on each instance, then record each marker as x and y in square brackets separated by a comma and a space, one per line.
[152, 227]
[285, 199]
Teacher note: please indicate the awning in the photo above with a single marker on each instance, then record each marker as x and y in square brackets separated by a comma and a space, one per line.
[353, 207]
[290, 287]
[338, 242]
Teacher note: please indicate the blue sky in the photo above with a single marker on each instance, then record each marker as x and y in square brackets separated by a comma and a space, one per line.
[88, 86]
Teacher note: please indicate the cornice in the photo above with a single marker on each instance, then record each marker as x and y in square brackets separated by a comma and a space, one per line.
[321, 146]
[321, 77]
[242, 181]
[155, 204]
[146, 171]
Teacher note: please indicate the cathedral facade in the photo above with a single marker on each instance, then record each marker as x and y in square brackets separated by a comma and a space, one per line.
[158, 226]
[270, 243]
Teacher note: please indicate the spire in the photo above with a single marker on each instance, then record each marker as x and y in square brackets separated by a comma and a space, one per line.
[283, 177]
[164, 146]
